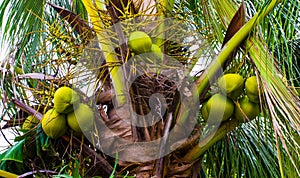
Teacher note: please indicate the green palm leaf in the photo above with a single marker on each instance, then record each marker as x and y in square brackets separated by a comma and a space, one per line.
[19, 20]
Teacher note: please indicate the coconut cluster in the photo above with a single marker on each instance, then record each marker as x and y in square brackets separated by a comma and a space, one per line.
[238, 99]
[68, 112]
[140, 42]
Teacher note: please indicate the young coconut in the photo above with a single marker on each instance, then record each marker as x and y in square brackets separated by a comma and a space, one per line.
[64, 99]
[82, 119]
[250, 110]
[219, 107]
[232, 85]
[155, 48]
[30, 122]
[252, 89]
[204, 111]
[54, 124]
[157, 53]
[140, 42]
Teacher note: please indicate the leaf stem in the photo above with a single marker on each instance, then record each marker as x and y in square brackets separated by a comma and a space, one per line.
[117, 73]
[210, 140]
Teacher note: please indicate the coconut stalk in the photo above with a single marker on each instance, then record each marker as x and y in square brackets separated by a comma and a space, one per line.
[210, 74]
[210, 140]
[116, 72]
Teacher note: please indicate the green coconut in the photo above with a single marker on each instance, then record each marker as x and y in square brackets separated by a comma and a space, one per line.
[54, 124]
[231, 85]
[64, 99]
[30, 122]
[139, 42]
[219, 107]
[250, 110]
[251, 87]
[82, 119]
[158, 55]
[155, 48]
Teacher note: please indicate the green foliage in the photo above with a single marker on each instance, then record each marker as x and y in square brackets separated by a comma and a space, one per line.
[230, 156]
[282, 34]
[21, 33]
[12, 159]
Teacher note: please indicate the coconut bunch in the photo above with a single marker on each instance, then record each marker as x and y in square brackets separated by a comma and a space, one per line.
[236, 99]
[67, 112]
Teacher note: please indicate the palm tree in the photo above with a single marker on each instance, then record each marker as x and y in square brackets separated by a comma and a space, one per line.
[148, 117]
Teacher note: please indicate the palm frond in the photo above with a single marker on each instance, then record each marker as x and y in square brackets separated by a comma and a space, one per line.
[19, 32]
[285, 19]
[55, 46]
[18, 28]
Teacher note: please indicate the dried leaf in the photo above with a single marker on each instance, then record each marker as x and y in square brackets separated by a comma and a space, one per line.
[235, 24]
[39, 76]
